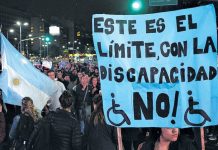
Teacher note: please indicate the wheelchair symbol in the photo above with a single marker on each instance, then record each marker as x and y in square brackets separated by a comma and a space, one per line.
[120, 112]
[190, 110]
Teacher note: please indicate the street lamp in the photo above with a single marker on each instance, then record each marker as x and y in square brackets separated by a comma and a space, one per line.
[11, 31]
[20, 25]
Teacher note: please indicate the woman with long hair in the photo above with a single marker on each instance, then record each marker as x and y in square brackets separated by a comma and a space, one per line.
[28, 107]
[95, 86]
[167, 139]
[99, 135]
[23, 124]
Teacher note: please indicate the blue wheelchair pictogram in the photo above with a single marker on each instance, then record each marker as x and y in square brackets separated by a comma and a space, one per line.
[191, 111]
[114, 110]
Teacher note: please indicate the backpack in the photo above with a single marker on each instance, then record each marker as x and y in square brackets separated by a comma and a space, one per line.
[40, 137]
[24, 129]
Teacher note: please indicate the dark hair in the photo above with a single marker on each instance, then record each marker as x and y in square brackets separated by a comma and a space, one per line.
[50, 71]
[66, 99]
[97, 98]
[154, 133]
[1, 101]
[97, 115]
[1, 95]
[25, 100]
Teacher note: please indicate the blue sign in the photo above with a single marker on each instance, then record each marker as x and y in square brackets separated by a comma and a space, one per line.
[158, 70]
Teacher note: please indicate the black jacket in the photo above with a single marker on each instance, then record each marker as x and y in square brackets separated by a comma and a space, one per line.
[65, 131]
[2, 127]
[82, 96]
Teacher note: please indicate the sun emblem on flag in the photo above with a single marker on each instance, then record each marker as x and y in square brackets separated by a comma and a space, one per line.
[16, 81]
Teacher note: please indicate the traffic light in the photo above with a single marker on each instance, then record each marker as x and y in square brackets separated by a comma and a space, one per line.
[47, 39]
[137, 6]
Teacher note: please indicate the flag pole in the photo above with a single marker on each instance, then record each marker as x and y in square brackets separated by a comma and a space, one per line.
[0, 28]
[202, 138]
[119, 138]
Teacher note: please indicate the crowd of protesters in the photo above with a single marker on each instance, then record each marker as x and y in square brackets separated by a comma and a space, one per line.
[74, 119]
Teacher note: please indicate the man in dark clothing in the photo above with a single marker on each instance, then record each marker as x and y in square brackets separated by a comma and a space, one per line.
[83, 100]
[65, 130]
[59, 130]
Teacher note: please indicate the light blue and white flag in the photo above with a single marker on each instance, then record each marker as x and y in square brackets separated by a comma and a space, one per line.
[19, 78]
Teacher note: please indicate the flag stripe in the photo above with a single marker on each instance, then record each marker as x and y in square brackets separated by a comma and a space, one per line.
[12, 97]
[21, 86]
[21, 65]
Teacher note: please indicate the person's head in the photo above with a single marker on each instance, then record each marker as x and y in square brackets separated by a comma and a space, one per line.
[68, 66]
[45, 70]
[84, 79]
[79, 74]
[169, 134]
[74, 72]
[66, 100]
[97, 115]
[27, 105]
[96, 70]
[94, 81]
[55, 68]
[60, 74]
[67, 78]
[51, 74]
[91, 69]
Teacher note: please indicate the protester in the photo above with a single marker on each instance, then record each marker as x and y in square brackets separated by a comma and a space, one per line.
[79, 75]
[83, 100]
[23, 124]
[167, 139]
[74, 76]
[61, 78]
[96, 72]
[65, 130]
[98, 134]
[95, 86]
[54, 102]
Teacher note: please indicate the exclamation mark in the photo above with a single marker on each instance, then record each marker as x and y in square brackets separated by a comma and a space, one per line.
[175, 106]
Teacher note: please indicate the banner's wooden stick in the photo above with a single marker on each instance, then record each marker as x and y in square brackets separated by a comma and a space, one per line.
[202, 138]
[119, 138]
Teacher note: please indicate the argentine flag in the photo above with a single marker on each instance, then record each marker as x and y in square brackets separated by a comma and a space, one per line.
[19, 78]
